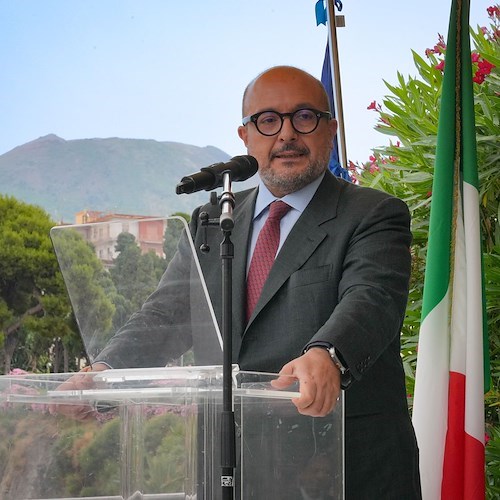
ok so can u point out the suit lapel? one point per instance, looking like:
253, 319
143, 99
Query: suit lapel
243, 215
303, 239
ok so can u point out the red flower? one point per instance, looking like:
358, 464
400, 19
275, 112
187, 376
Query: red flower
352, 166
373, 105
475, 57
441, 45
478, 77
440, 66
493, 11
485, 67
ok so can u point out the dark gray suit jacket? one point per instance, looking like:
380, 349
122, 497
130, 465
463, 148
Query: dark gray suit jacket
341, 277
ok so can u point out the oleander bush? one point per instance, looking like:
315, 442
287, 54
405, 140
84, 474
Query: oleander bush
409, 116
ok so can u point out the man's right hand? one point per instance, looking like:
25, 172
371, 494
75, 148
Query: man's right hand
80, 381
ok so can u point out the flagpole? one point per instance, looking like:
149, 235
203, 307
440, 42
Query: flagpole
337, 89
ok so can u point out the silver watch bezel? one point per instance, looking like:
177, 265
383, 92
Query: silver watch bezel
336, 360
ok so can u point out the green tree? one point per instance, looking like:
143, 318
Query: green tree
135, 276
172, 234
89, 286
409, 114
34, 309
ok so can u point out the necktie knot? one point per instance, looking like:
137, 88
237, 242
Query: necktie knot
278, 209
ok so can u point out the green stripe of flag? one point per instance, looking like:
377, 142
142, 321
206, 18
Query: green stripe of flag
438, 265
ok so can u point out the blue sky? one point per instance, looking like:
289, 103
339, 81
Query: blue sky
175, 70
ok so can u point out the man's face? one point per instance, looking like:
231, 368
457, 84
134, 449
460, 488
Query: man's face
289, 160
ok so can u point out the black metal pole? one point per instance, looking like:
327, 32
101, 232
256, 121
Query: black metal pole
228, 438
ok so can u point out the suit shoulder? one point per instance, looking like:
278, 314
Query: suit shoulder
363, 195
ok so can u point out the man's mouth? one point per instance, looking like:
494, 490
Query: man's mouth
289, 155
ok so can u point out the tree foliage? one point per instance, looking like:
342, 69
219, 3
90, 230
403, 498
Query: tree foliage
41, 315
135, 276
89, 285
409, 115
35, 314
172, 234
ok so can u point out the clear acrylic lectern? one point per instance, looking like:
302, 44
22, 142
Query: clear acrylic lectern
153, 433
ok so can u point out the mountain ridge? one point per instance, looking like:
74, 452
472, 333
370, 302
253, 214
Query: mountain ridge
113, 175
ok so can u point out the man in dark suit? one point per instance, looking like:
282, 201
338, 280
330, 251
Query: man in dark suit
331, 309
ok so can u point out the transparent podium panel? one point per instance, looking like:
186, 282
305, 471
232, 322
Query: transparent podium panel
137, 292
155, 433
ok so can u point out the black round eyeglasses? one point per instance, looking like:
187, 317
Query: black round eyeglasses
304, 121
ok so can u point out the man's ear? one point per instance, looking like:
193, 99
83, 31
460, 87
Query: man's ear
334, 124
243, 134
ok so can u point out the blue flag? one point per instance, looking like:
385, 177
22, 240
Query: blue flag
326, 79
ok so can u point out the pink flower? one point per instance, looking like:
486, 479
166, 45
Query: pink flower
441, 45
440, 66
478, 77
475, 57
485, 67
18, 371
393, 159
493, 11
373, 105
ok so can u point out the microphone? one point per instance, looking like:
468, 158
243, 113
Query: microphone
211, 177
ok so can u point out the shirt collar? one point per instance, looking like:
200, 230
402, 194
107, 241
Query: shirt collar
298, 200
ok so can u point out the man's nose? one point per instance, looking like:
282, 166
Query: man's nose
287, 132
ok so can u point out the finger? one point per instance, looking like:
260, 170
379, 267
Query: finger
308, 399
285, 377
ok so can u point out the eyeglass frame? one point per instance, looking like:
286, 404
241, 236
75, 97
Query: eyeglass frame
253, 118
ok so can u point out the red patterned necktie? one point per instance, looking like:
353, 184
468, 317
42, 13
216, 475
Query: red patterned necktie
264, 253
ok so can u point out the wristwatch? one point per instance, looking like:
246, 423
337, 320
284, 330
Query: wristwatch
345, 374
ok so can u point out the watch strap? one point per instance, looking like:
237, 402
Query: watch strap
345, 374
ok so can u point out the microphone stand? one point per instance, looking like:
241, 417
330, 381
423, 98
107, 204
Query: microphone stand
228, 426
228, 439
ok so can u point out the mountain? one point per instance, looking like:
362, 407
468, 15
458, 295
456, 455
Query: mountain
131, 176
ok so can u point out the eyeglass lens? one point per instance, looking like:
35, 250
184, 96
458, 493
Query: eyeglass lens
303, 121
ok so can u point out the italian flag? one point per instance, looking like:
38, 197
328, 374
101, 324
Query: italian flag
448, 411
